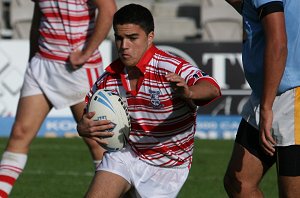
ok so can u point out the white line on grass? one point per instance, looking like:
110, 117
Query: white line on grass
60, 173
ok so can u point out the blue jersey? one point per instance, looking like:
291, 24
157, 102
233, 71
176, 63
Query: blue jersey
253, 48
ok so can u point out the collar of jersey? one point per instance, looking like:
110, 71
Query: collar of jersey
117, 67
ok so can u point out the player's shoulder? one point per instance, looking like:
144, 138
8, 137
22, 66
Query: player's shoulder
167, 59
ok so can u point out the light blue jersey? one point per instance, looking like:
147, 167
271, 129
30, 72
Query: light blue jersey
253, 48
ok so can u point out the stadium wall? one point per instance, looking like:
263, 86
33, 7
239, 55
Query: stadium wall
218, 120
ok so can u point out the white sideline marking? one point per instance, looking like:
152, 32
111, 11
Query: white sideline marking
59, 173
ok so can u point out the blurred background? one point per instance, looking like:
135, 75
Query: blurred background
208, 33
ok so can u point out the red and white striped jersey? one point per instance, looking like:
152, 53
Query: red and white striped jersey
65, 26
162, 123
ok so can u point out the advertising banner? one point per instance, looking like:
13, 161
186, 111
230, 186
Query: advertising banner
223, 61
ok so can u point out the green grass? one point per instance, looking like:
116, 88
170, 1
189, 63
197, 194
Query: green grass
63, 168
209, 165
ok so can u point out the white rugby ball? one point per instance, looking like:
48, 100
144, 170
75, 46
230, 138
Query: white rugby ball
109, 106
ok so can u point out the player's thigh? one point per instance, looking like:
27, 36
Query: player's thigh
289, 186
248, 162
288, 167
107, 185
244, 168
31, 112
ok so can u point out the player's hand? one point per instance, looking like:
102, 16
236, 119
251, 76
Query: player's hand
179, 85
77, 58
265, 126
96, 130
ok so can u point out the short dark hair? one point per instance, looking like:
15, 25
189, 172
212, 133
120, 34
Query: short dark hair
134, 14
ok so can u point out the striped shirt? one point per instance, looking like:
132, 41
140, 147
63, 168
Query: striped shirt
162, 124
66, 25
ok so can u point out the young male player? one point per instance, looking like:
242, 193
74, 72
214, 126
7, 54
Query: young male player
162, 92
270, 129
64, 62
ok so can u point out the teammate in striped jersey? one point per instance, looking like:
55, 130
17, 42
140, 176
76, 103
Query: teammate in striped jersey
269, 132
162, 93
64, 63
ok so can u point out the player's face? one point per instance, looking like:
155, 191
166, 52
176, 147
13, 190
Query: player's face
132, 42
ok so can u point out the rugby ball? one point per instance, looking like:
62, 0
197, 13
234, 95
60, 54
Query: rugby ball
110, 106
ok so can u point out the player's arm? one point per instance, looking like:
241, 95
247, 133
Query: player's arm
272, 18
34, 30
96, 130
202, 90
106, 10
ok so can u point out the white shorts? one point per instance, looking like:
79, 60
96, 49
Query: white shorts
147, 180
286, 117
62, 86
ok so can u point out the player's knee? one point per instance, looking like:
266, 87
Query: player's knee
19, 131
20, 138
236, 187
230, 185
233, 185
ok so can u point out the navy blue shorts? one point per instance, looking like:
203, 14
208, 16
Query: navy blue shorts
287, 157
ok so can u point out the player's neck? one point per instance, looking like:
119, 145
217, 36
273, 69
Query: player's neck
133, 73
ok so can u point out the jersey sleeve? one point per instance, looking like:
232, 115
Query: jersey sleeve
192, 75
259, 3
265, 7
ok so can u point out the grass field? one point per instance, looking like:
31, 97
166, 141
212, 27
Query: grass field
62, 168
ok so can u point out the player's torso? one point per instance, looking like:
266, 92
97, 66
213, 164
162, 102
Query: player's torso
162, 123
254, 46
65, 26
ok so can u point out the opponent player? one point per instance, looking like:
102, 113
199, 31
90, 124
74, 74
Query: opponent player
162, 92
271, 117
64, 61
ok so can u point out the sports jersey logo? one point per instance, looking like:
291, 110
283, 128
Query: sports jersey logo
197, 75
155, 102
203, 73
